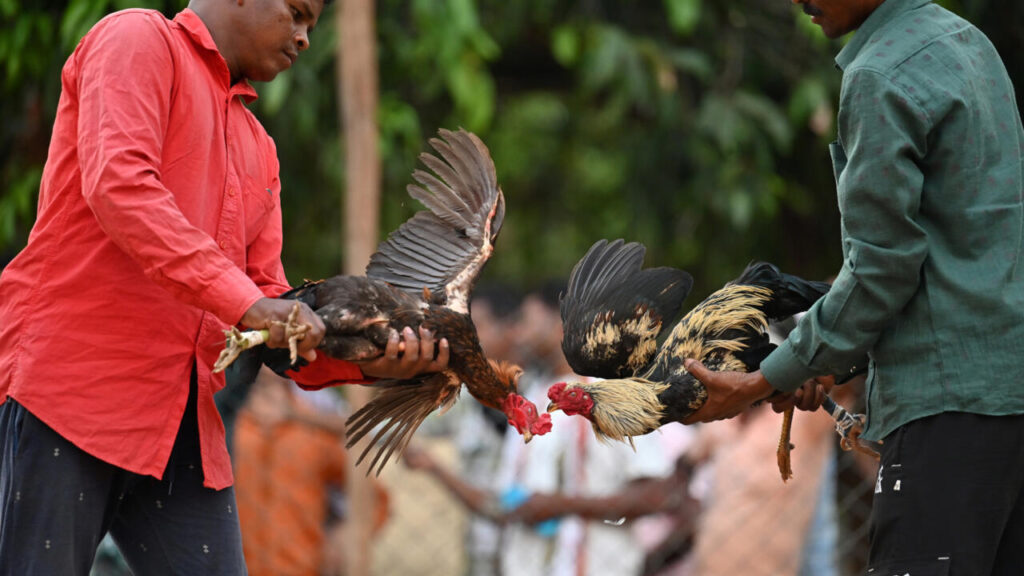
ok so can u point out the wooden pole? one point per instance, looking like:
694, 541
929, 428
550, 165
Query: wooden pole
358, 92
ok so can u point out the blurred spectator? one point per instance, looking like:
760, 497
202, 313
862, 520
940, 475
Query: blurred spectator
564, 497
753, 523
479, 430
289, 455
538, 517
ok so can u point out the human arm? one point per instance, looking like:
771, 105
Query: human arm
730, 393
475, 499
637, 498
883, 137
121, 133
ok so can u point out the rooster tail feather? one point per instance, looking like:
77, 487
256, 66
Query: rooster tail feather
790, 294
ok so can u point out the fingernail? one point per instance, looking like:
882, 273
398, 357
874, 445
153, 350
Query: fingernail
393, 336
444, 342
408, 331
687, 363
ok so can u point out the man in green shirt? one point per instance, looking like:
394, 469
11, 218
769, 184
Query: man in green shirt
929, 169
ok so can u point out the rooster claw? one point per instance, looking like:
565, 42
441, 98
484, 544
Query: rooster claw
235, 343
294, 332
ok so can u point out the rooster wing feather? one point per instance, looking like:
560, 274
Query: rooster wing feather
445, 247
613, 311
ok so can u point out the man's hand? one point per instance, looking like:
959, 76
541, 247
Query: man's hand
729, 393
408, 356
272, 313
807, 397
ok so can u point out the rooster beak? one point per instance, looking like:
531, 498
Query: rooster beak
552, 407
527, 436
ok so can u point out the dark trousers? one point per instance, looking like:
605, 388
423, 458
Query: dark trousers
57, 503
949, 499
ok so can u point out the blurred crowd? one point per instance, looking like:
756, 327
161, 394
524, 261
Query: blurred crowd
473, 500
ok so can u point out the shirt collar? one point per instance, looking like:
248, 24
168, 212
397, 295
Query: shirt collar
886, 11
200, 34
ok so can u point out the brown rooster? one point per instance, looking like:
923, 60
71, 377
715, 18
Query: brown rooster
614, 312
422, 275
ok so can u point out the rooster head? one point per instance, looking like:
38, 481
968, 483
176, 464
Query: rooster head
524, 417
570, 398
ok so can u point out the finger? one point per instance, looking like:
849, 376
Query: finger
426, 344
392, 349
827, 383
277, 336
811, 399
696, 368
783, 403
309, 355
819, 396
443, 354
704, 414
412, 350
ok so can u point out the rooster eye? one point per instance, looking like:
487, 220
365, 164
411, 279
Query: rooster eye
572, 394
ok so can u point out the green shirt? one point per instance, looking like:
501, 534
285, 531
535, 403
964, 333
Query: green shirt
928, 170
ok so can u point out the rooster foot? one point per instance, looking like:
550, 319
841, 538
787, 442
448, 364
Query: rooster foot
235, 343
294, 332
852, 442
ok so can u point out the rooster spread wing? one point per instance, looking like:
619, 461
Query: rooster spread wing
613, 311
444, 248
401, 406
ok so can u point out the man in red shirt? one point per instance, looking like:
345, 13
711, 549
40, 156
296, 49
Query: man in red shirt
158, 226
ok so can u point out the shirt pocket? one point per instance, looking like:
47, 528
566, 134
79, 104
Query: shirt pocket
842, 288
258, 198
835, 149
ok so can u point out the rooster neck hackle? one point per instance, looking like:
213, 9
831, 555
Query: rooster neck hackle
625, 408
735, 307
490, 382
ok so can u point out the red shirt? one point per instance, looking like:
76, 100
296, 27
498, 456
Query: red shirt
159, 224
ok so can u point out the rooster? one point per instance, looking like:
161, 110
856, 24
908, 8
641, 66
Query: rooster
614, 312
421, 275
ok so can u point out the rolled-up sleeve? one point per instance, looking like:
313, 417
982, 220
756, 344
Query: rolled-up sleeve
883, 133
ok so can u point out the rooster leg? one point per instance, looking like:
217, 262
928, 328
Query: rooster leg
235, 343
785, 465
294, 332
849, 426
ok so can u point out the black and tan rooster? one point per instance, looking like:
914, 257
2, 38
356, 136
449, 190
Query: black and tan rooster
614, 312
421, 275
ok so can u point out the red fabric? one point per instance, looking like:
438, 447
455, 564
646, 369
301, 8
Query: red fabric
327, 371
159, 224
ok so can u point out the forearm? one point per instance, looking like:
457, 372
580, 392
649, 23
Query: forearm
475, 499
639, 498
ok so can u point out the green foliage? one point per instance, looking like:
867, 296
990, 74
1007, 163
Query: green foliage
697, 127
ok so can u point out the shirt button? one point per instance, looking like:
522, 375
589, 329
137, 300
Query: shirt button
231, 191
223, 245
